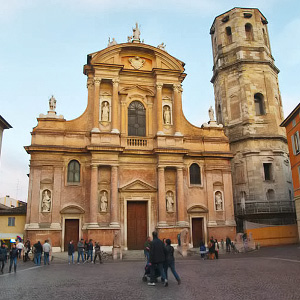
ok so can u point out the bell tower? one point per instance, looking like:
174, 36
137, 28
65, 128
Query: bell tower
248, 104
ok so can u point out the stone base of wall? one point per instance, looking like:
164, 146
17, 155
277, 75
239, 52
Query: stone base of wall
222, 232
54, 237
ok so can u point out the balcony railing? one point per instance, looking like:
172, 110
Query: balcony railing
134, 142
263, 207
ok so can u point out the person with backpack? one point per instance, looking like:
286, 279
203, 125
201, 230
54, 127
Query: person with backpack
170, 261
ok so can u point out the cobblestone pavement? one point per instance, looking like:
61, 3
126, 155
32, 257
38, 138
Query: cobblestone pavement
270, 273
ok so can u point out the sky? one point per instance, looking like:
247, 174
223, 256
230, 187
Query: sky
44, 45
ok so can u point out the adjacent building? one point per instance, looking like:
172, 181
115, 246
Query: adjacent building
292, 126
248, 104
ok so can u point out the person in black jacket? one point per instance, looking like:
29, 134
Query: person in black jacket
71, 251
38, 248
170, 261
3, 254
13, 255
157, 257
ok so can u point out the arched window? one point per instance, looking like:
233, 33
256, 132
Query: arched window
249, 32
259, 104
136, 119
73, 171
195, 174
228, 35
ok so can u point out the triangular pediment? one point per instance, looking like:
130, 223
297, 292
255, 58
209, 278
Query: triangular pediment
136, 186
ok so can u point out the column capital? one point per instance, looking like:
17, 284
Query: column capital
97, 80
89, 84
159, 85
160, 168
177, 87
179, 168
115, 81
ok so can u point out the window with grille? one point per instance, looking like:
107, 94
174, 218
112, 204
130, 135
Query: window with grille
74, 171
11, 221
136, 119
195, 175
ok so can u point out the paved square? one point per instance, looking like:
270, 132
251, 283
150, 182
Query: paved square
270, 273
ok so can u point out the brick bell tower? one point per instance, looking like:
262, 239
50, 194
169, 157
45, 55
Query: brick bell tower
248, 104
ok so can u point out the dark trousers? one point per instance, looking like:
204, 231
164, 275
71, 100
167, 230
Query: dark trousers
216, 254
13, 261
2, 265
171, 265
99, 255
160, 267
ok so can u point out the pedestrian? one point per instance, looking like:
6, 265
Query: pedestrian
147, 248
20, 248
38, 253
228, 244
13, 255
80, 249
26, 251
85, 250
216, 249
46, 250
157, 257
71, 250
97, 252
90, 248
203, 251
222, 244
3, 256
170, 261
211, 248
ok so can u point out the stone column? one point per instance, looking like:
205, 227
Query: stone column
177, 89
114, 207
159, 108
115, 106
97, 82
56, 198
94, 197
161, 197
123, 117
180, 198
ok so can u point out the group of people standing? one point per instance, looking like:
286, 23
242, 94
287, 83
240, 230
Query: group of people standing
85, 251
160, 256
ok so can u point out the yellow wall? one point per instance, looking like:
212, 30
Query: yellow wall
277, 235
17, 229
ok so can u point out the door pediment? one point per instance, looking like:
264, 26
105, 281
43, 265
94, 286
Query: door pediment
137, 186
72, 209
197, 209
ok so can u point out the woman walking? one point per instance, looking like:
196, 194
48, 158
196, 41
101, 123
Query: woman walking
170, 261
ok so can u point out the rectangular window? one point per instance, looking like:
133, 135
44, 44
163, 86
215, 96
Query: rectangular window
294, 122
267, 171
11, 221
296, 143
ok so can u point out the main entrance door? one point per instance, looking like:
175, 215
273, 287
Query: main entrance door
136, 224
71, 232
197, 231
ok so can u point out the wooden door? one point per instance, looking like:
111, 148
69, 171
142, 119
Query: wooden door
136, 224
71, 232
197, 231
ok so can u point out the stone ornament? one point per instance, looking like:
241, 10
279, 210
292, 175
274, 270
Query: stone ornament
211, 114
105, 111
46, 201
177, 88
218, 201
162, 46
51, 112
52, 104
111, 43
135, 37
136, 62
103, 201
170, 202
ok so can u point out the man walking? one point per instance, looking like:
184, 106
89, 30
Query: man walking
46, 249
157, 257
38, 253
71, 250
13, 255
90, 248
3, 255
97, 252
80, 249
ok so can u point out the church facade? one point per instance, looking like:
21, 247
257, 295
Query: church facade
131, 163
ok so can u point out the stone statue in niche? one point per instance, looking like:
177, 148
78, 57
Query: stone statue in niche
105, 111
167, 115
46, 201
218, 201
103, 202
170, 202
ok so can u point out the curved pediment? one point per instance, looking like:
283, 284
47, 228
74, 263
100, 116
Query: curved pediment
137, 186
136, 90
72, 209
137, 56
197, 209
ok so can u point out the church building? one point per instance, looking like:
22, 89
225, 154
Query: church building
131, 163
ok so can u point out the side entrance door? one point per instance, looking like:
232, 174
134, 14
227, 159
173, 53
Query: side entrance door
197, 231
136, 224
71, 232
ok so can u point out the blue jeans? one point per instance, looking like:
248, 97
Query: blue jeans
80, 254
46, 258
160, 267
171, 265
69, 256
90, 253
13, 261
37, 259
